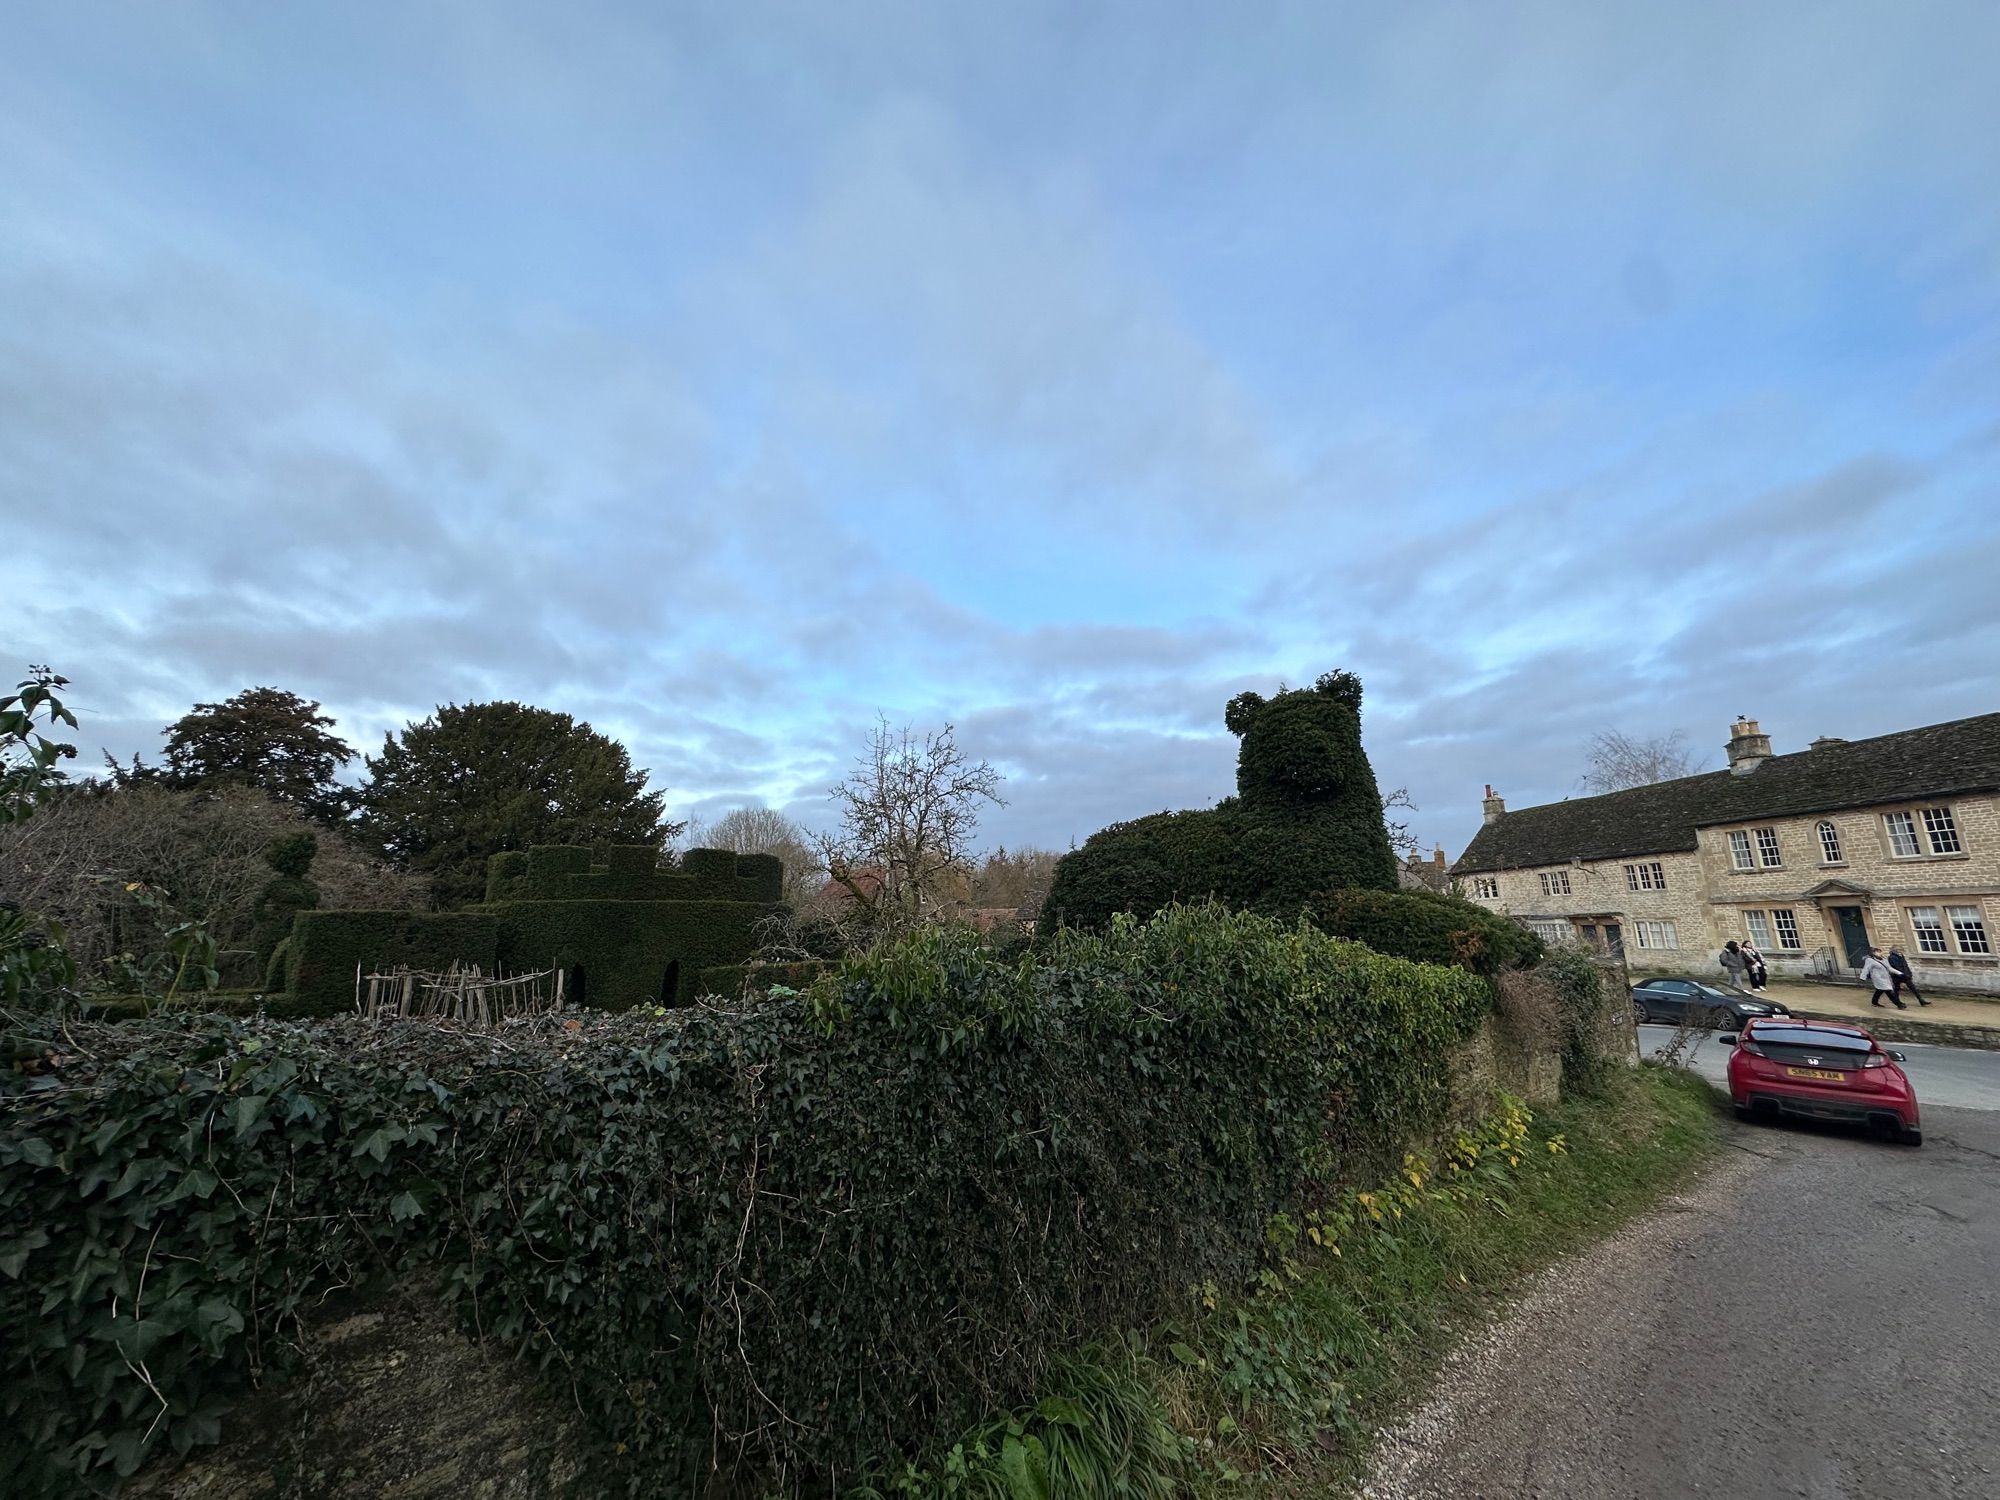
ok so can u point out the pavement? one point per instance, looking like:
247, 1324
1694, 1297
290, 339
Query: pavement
1852, 1000
1817, 1316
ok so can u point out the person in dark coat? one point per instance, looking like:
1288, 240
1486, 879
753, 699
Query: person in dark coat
1753, 967
1905, 979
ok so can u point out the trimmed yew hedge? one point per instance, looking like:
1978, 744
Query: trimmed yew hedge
792, 1238
1427, 926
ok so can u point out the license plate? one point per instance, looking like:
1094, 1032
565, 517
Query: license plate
1818, 1073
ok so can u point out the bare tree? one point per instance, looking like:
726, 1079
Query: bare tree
762, 830
1019, 879
1401, 840
1617, 760
908, 812
204, 849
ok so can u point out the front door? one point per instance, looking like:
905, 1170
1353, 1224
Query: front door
1614, 939
1853, 934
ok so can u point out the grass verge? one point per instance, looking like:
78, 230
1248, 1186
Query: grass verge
1278, 1388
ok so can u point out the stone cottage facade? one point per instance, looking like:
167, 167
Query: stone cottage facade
1815, 856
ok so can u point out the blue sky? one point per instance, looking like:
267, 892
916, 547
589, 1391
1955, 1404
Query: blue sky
725, 374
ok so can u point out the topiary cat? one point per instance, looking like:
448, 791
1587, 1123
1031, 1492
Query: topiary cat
1306, 818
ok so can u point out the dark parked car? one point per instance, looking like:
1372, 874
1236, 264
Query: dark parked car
1672, 1002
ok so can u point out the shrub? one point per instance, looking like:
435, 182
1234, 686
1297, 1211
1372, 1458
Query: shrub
793, 1237
1306, 817
1428, 927
1589, 1006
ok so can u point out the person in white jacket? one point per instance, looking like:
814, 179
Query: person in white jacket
1881, 978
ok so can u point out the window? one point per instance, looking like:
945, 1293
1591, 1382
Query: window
1486, 886
1739, 850
1646, 877
1968, 925
1759, 927
1767, 847
1942, 831
1657, 935
1902, 835
1929, 930
1551, 932
1788, 928
1555, 882
1829, 844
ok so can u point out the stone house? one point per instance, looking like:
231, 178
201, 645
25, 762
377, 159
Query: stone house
1417, 873
1815, 855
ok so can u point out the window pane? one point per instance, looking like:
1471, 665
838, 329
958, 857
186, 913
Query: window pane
1767, 846
1659, 875
1788, 928
1739, 850
1929, 930
1760, 928
1632, 882
1942, 830
1902, 834
1829, 843
1968, 924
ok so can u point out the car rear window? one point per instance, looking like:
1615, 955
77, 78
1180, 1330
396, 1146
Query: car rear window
1812, 1036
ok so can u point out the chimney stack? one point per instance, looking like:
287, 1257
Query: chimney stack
1494, 807
1749, 747
1437, 857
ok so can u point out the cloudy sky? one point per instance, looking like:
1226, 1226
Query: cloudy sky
724, 374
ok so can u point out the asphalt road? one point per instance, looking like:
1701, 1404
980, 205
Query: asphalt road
1818, 1316
1947, 1077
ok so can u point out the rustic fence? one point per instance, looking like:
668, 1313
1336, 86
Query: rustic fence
461, 993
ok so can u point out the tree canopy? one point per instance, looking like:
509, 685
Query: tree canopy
479, 779
264, 737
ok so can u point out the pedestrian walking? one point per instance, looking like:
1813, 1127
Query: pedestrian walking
1905, 978
1734, 963
1881, 978
1753, 966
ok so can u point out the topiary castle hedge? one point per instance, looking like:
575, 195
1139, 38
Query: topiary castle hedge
623, 931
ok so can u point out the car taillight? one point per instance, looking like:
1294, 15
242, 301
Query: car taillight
1744, 1044
1875, 1060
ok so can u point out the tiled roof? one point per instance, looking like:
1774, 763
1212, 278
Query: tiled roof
1936, 761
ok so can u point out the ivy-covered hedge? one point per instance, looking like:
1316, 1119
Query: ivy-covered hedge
735, 980
1427, 926
792, 1238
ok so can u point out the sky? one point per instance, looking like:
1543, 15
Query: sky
729, 375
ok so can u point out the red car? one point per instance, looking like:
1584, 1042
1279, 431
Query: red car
1822, 1069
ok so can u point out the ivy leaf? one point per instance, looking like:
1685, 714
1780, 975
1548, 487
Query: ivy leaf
404, 1206
14, 1253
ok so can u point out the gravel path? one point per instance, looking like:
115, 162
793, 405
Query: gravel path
1819, 1316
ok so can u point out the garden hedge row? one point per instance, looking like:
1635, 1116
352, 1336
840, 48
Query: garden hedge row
1427, 926
789, 1238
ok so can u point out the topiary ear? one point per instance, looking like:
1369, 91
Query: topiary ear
1341, 687
1238, 712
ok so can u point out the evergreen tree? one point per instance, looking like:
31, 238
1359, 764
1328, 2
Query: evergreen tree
479, 779
263, 737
